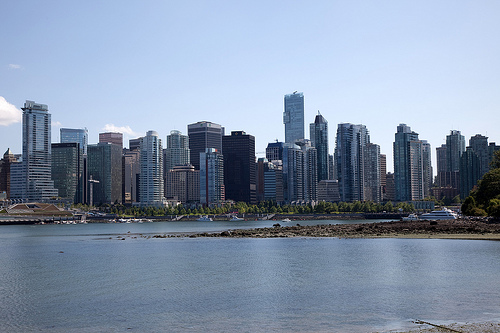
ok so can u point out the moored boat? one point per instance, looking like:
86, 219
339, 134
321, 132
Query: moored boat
443, 214
204, 219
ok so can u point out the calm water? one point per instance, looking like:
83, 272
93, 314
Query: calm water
82, 278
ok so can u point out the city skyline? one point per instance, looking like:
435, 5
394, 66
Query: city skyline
427, 65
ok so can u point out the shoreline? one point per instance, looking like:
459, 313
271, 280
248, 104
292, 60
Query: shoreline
445, 229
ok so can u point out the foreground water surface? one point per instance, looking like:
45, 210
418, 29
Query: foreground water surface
83, 278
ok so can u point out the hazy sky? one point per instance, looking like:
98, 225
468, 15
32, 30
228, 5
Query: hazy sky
136, 66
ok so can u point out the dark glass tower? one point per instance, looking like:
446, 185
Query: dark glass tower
293, 117
203, 135
319, 140
67, 171
239, 167
105, 166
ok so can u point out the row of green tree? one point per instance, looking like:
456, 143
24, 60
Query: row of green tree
484, 200
265, 207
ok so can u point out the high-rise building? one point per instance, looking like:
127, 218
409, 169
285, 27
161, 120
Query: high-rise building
67, 171
177, 150
104, 164
293, 173
319, 140
408, 165
151, 177
427, 168
328, 190
211, 177
131, 171
274, 151
112, 137
78, 135
5, 163
37, 154
203, 135
134, 144
383, 172
372, 184
349, 161
470, 171
310, 170
293, 117
455, 146
273, 181
183, 184
479, 145
240, 181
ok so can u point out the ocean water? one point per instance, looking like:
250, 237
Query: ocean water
84, 278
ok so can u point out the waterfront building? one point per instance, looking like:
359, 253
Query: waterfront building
260, 178
383, 172
328, 190
273, 181
151, 183
310, 170
372, 184
479, 145
349, 161
240, 182
78, 135
183, 184
408, 165
111, 137
67, 171
131, 171
18, 185
203, 135
293, 173
211, 177
293, 117
177, 150
470, 171
390, 188
37, 154
319, 139
104, 164
427, 168
5, 163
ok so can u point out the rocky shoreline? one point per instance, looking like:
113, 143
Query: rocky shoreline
448, 229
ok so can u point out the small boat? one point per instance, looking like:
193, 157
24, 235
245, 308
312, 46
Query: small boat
236, 218
411, 217
286, 220
205, 219
443, 214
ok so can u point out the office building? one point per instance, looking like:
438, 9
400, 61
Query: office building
240, 181
104, 164
274, 151
151, 190
310, 170
293, 117
383, 172
372, 184
37, 154
5, 163
273, 181
319, 140
455, 146
293, 173
470, 171
203, 135
408, 165
211, 177
328, 190
67, 171
177, 150
183, 184
134, 144
78, 135
427, 168
112, 137
130, 178
479, 145
350, 161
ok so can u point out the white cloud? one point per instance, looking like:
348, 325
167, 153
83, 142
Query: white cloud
121, 129
9, 114
56, 123
15, 66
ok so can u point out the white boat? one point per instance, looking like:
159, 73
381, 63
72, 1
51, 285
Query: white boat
236, 218
205, 219
443, 214
286, 220
411, 217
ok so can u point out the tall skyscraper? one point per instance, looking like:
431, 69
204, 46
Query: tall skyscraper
372, 184
131, 172
427, 168
5, 163
319, 140
151, 176
37, 153
104, 164
78, 135
177, 150
183, 183
203, 135
455, 146
273, 181
274, 151
211, 177
293, 117
293, 173
479, 144
240, 181
67, 171
112, 137
350, 160
470, 171
309, 169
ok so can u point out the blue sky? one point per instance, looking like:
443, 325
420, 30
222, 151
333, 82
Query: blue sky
161, 65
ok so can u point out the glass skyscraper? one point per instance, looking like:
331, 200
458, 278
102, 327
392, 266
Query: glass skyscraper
151, 177
293, 117
203, 135
177, 150
211, 177
319, 140
78, 135
37, 157
67, 171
